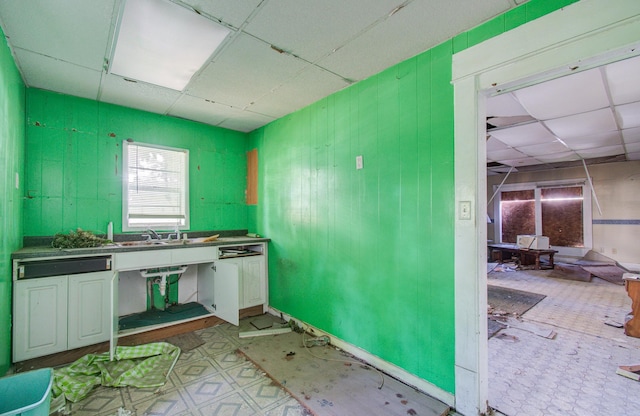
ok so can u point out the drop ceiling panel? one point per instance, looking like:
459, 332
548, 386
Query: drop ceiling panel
245, 71
610, 138
198, 109
50, 74
505, 154
543, 149
314, 81
623, 79
585, 124
495, 144
233, 12
76, 31
505, 105
564, 96
631, 135
567, 156
415, 28
525, 135
218, 115
633, 147
629, 115
601, 152
116, 90
526, 161
312, 29
245, 121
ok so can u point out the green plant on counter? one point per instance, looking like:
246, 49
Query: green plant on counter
78, 239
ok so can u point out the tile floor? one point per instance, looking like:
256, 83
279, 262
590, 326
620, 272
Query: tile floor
573, 374
209, 380
215, 380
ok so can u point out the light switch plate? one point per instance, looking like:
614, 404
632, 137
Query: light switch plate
359, 162
464, 210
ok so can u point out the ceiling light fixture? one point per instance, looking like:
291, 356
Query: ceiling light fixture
162, 43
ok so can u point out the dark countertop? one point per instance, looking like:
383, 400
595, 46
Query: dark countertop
45, 251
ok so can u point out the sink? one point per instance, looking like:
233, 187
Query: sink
141, 243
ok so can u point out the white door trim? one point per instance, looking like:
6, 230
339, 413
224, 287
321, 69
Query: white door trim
584, 35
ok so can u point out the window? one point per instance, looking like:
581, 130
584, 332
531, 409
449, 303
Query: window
559, 211
156, 187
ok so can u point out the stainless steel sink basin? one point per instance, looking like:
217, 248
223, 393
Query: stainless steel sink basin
140, 243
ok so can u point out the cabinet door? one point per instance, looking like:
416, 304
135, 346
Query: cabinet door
89, 308
253, 281
39, 317
225, 291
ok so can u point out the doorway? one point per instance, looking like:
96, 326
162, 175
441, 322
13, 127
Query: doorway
547, 48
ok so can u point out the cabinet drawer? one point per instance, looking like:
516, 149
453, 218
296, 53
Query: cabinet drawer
193, 255
142, 259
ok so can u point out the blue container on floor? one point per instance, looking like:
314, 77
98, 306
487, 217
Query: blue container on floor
26, 394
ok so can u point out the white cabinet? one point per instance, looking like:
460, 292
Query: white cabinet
39, 317
253, 282
54, 314
89, 309
218, 285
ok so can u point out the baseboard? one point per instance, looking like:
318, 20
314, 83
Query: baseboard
382, 365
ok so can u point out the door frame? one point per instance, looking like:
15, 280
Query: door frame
584, 35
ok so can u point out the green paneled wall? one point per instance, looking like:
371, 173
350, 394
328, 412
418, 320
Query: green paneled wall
367, 255
12, 98
74, 165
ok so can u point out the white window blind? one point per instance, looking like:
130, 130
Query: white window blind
156, 187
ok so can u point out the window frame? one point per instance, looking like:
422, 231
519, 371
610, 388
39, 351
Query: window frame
587, 220
126, 226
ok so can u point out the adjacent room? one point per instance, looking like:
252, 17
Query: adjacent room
278, 207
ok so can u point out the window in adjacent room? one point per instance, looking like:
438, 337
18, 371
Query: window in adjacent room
561, 212
156, 187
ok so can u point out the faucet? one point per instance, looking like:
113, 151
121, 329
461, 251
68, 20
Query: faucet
153, 235
176, 233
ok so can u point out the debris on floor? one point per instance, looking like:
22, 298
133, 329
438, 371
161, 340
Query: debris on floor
263, 332
602, 267
142, 366
629, 371
614, 324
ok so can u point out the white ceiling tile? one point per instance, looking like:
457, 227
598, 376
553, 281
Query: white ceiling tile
505, 154
414, 29
526, 161
147, 97
199, 109
528, 134
585, 124
559, 157
495, 144
601, 152
314, 29
631, 135
77, 31
233, 12
504, 105
51, 74
543, 149
245, 71
633, 156
576, 93
629, 115
246, 121
315, 82
609, 138
623, 80
632, 147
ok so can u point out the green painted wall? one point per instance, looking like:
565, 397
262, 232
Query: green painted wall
368, 255
74, 165
12, 99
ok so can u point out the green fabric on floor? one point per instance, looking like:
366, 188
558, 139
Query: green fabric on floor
141, 366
